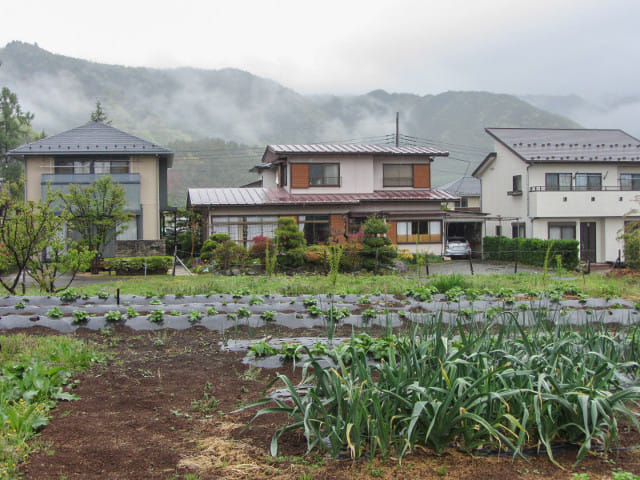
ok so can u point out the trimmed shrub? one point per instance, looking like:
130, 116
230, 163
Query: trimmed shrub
290, 241
136, 265
532, 251
376, 252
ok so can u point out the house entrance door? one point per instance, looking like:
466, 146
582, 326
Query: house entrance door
588, 241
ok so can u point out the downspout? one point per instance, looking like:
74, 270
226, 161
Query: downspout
528, 203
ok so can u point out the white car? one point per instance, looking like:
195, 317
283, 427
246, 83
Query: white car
457, 247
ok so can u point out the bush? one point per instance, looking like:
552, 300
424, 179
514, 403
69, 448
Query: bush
291, 243
136, 265
531, 251
211, 244
376, 252
228, 254
259, 247
350, 260
631, 237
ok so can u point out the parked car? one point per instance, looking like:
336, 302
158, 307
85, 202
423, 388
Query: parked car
457, 247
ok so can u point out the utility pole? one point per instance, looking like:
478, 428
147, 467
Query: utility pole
397, 129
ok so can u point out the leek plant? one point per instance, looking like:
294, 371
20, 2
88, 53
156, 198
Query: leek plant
520, 380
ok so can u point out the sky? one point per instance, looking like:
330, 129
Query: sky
552, 47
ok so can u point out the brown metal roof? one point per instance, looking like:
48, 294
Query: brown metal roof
264, 196
356, 149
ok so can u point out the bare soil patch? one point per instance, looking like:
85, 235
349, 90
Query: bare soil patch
145, 415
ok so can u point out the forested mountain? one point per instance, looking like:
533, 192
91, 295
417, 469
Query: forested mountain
219, 121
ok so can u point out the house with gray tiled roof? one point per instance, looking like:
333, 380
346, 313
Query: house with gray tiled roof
331, 190
562, 183
468, 189
80, 155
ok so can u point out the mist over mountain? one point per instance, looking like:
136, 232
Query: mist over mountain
606, 112
219, 121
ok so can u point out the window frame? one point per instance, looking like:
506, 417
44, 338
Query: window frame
561, 226
518, 230
424, 228
409, 181
633, 178
558, 187
588, 187
324, 177
85, 165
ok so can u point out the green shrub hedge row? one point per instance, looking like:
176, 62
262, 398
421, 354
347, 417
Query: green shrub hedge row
531, 251
136, 265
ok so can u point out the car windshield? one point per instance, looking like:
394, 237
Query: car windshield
456, 239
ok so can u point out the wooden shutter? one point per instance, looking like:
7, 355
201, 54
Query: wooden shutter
299, 175
336, 225
422, 176
392, 234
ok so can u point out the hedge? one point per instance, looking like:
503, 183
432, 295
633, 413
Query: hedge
531, 251
136, 265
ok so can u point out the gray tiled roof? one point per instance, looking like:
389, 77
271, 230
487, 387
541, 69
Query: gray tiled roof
362, 149
91, 138
569, 145
463, 186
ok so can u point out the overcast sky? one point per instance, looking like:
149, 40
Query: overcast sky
587, 47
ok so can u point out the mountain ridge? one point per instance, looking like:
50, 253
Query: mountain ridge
239, 113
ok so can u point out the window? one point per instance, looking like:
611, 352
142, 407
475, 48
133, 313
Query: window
518, 230
315, 228
498, 230
516, 185
78, 166
397, 175
464, 202
324, 174
283, 175
420, 231
630, 181
558, 181
562, 231
131, 233
243, 230
588, 181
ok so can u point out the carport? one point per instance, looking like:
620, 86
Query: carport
465, 224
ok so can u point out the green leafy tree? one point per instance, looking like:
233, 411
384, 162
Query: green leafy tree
27, 229
376, 252
97, 212
99, 115
290, 242
15, 129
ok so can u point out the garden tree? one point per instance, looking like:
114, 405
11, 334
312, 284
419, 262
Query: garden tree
376, 250
290, 243
630, 234
97, 213
99, 115
15, 129
184, 231
27, 229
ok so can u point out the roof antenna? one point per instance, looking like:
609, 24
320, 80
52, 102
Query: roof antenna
397, 129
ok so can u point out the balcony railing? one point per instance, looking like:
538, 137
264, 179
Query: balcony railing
574, 188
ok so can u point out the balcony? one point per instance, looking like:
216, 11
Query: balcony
129, 181
607, 201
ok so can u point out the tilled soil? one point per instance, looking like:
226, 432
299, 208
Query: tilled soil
161, 408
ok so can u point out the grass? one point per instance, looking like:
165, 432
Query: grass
34, 372
363, 284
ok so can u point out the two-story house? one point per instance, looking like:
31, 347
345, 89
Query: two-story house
562, 183
79, 156
331, 190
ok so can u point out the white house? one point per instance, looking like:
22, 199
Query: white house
562, 183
